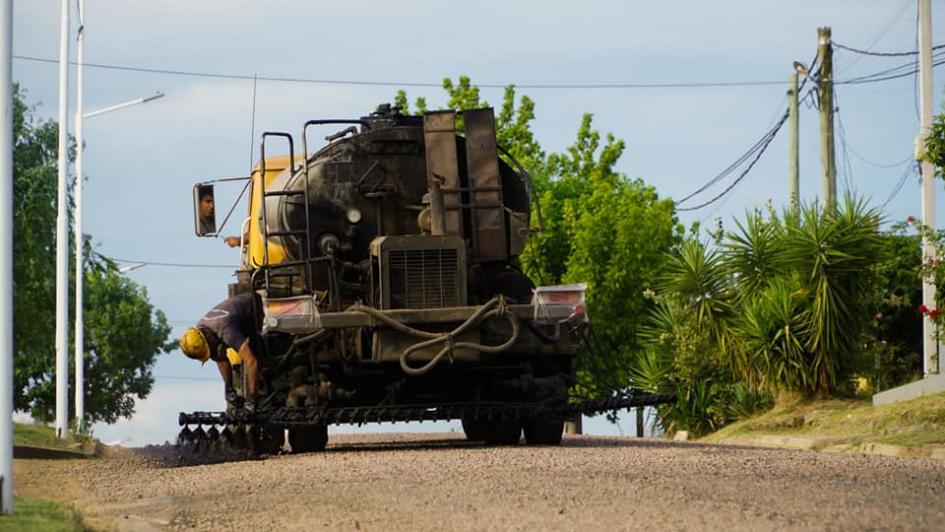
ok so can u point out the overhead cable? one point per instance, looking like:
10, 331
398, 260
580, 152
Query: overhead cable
894, 18
891, 73
846, 169
758, 154
572, 86
911, 169
881, 54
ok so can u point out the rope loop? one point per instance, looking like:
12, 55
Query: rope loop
496, 306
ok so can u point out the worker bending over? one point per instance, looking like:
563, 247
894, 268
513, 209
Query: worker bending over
230, 324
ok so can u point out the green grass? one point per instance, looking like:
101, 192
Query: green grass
41, 516
37, 435
917, 422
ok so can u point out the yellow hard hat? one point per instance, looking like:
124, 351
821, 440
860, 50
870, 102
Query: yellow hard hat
194, 344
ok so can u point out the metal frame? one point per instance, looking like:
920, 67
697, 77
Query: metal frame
304, 243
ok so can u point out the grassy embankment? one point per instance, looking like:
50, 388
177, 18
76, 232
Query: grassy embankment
916, 423
36, 435
39, 515
42, 516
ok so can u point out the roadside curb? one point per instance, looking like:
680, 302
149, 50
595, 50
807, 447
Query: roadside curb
46, 453
832, 444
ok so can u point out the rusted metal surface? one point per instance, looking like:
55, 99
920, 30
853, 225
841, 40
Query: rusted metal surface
345, 319
439, 137
485, 184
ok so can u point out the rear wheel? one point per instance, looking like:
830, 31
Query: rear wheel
505, 432
543, 431
308, 439
474, 430
265, 439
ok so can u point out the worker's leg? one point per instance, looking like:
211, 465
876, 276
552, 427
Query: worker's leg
226, 371
250, 365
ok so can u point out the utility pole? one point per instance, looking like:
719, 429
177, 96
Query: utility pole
931, 362
62, 233
6, 256
793, 153
79, 240
825, 94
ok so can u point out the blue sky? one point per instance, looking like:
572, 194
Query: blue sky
142, 161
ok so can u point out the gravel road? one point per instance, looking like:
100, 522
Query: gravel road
440, 482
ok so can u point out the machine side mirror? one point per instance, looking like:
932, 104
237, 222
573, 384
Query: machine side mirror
205, 218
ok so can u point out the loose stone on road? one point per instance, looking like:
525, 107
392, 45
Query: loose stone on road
441, 482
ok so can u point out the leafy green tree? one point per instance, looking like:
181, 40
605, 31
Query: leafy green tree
894, 335
124, 333
935, 145
616, 235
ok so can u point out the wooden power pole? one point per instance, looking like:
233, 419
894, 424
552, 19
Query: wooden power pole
825, 94
793, 154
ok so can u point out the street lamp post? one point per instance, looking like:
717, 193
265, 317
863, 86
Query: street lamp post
79, 251
6, 256
62, 232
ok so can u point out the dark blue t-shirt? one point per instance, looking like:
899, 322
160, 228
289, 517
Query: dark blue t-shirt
233, 321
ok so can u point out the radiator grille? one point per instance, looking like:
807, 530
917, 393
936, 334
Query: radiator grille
424, 278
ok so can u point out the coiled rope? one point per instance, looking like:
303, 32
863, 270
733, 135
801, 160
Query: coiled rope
496, 307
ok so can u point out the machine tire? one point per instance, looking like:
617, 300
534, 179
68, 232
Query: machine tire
266, 440
308, 439
506, 432
474, 430
543, 431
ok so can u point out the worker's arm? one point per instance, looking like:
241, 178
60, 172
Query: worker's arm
226, 371
234, 241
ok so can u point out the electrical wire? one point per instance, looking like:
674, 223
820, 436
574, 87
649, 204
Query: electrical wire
171, 264
753, 149
902, 68
909, 171
741, 176
893, 73
728, 170
897, 14
896, 164
569, 86
846, 167
881, 54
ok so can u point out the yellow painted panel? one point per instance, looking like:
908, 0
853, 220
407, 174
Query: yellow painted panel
255, 256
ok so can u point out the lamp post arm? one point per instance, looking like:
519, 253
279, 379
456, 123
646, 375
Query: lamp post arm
123, 105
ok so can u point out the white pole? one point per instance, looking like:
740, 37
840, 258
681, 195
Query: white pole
62, 233
6, 256
930, 342
79, 241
